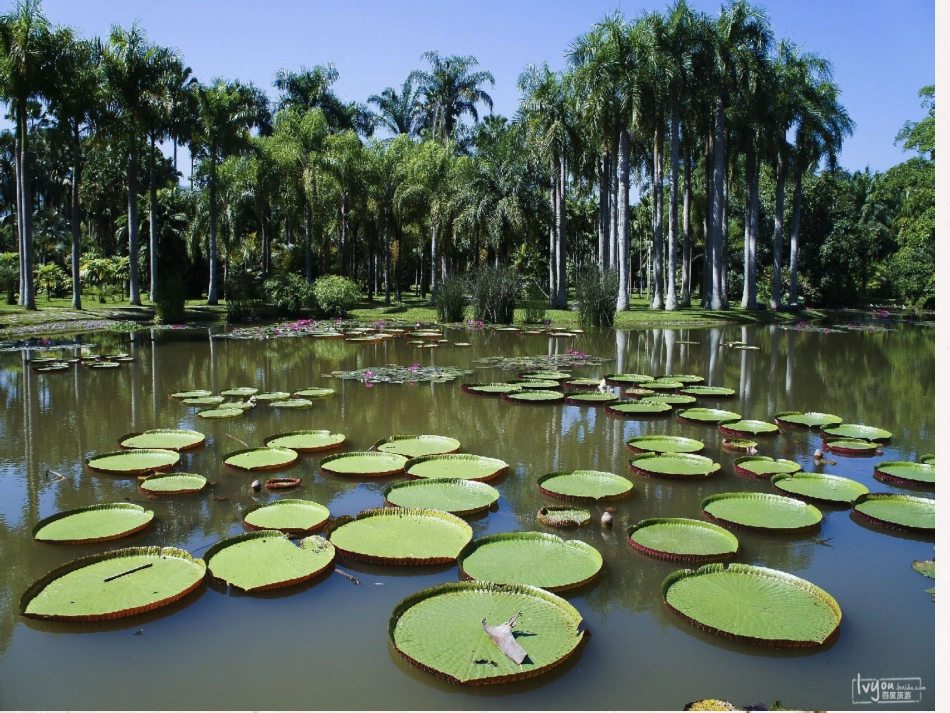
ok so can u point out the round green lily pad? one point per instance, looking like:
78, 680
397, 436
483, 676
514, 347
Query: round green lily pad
305, 441
546, 376
673, 465
707, 415
536, 397
678, 538
639, 408
314, 392
638, 392
582, 383
708, 391
753, 604
537, 384
96, 523
170, 439
854, 430
203, 401
625, 379
763, 466
563, 516
216, 413
852, 446
257, 561
683, 378
456, 465
902, 512
52, 368
273, 396
537, 559
291, 403
114, 584
133, 462
193, 394
671, 399
748, 426
441, 630
590, 398
742, 445
905, 472
491, 389
240, 405
662, 385
173, 484
261, 458
364, 464
809, 419
928, 459
289, 515
240, 391
454, 495
584, 485
403, 536
819, 486
417, 446
664, 444
761, 511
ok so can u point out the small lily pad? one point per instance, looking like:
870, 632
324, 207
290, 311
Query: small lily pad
748, 426
306, 441
664, 444
673, 465
402, 536
901, 512
170, 439
707, 415
761, 511
417, 446
809, 419
677, 538
456, 465
925, 567
96, 523
289, 515
563, 516
133, 462
261, 458
585, 485
905, 472
364, 464
173, 484
928, 459
684, 378
638, 409
546, 376
582, 383
819, 486
764, 466
258, 561
454, 495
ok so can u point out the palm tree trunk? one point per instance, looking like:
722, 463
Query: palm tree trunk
21, 243
707, 224
74, 220
776, 300
152, 225
213, 235
28, 293
686, 287
388, 256
749, 292
657, 178
612, 210
796, 225
398, 263
674, 202
715, 223
133, 226
623, 220
562, 232
552, 238
724, 261
603, 227
308, 209
746, 254
434, 255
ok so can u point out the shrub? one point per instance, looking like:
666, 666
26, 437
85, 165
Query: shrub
52, 279
334, 296
597, 297
170, 300
450, 300
288, 293
494, 293
243, 292
535, 305
9, 275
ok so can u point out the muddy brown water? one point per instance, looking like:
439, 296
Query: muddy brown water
325, 645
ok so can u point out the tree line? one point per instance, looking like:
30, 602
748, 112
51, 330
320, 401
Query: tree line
728, 136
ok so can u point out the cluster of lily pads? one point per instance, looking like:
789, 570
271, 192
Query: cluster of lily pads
234, 402
396, 374
52, 365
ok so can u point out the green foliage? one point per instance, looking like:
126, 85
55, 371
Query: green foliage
244, 294
170, 298
335, 296
535, 304
52, 279
105, 275
597, 297
450, 300
9, 275
494, 293
288, 293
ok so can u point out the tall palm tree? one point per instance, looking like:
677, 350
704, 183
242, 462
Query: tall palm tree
400, 111
343, 160
450, 90
313, 89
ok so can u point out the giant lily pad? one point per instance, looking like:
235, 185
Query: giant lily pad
417, 446
216, 413
203, 401
683, 378
852, 447
662, 385
534, 558
538, 384
314, 392
854, 430
442, 630
456, 465
673, 465
563, 516
114, 584
306, 441
748, 426
664, 444
193, 394
625, 379
905, 472
583, 383
491, 389
819, 486
809, 419
545, 376
677, 538
753, 604
591, 398
268, 396
707, 415
708, 392
96, 523
901, 512
291, 403
261, 458
403, 536
763, 466
173, 484
169, 439
635, 409
454, 495
761, 511
291, 516
672, 399
535, 397
364, 464
257, 561
133, 462
585, 485
240, 391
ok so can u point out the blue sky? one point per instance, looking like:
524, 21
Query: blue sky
882, 51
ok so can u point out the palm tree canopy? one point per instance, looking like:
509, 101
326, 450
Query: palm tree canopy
451, 89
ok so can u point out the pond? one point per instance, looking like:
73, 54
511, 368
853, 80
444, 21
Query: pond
324, 644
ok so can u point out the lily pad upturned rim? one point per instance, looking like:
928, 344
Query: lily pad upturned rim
637, 408
813, 521
196, 482
543, 540
483, 496
498, 466
590, 398
559, 608
781, 481
673, 399
320, 512
284, 483
490, 388
910, 500
852, 447
686, 379
738, 444
927, 459
335, 440
808, 419
196, 439
621, 486
216, 413
241, 391
625, 379
314, 392
537, 384
441, 444
389, 464
36, 589
164, 460
534, 396
545, 516
291, 403
709, 416
273, 396
287, 458
729, 541
191, 394
705, 467
722, 392
200, 401
320, 548
662, 385
142, 522
886, 472
784, 465
744, 426
684, 444
777, 578
855, 431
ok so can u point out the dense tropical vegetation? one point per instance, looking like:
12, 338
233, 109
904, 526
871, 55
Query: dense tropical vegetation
722, 129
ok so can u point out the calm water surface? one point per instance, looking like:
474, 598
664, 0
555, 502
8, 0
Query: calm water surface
324, 645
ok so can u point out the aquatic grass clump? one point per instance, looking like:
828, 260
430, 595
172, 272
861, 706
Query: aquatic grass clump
597, 297
451, 300
495, 290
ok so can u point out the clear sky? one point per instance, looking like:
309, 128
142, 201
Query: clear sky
882, 50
